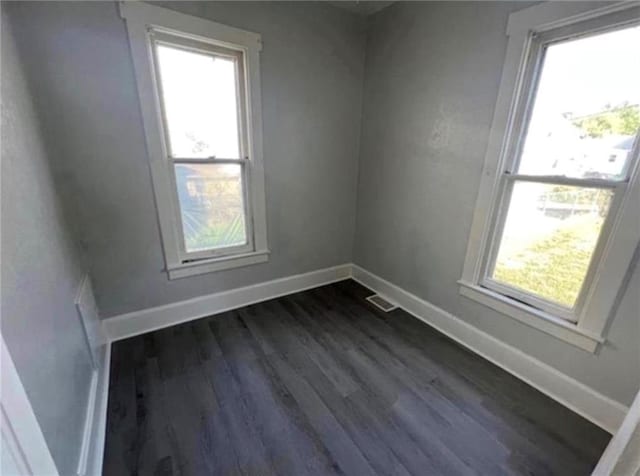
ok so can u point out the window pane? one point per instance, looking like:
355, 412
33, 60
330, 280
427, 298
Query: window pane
587, 108
211, 205
549, 236
199, 96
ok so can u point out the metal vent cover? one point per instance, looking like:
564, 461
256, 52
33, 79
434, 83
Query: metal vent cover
381, 303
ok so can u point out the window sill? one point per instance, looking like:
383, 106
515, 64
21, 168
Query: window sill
204, 266
545, 322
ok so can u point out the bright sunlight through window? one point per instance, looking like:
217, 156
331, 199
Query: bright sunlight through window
578, 142
201, 100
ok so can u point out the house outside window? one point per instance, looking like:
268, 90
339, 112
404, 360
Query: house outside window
557, 215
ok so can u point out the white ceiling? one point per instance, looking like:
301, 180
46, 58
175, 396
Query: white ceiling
361, 7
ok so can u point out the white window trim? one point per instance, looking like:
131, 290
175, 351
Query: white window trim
614, 254
140, 19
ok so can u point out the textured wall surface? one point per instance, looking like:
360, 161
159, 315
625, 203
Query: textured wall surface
41, 270
78, 57
432, 76
405, 185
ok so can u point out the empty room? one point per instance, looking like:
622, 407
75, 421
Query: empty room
320, 238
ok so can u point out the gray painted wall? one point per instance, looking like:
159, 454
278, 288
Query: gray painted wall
40, 273
78, 58
432, 77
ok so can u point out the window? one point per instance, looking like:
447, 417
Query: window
199, 89
554, 215
202, 101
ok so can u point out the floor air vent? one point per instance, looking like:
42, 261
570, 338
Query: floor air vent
381, 303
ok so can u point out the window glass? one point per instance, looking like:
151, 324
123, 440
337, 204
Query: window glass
200, 102
211, 200
586, 112
549, 237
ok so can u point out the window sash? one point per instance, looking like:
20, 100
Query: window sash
525, 96
142, 22
609, 275
159, 37
247, 247
493, 244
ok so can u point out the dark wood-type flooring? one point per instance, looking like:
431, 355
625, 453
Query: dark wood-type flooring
321, 382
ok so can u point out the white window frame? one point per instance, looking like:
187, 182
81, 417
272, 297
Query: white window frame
529, 31
147, 25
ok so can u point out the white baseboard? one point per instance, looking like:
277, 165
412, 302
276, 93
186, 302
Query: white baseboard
90, 319
146, 320
92, 452
583, 400
87, 434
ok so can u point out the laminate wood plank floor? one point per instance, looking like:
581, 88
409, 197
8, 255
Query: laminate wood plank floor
321, 383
